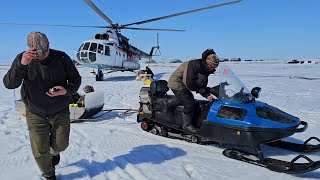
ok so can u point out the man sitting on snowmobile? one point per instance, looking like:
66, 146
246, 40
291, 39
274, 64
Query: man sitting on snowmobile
193, 76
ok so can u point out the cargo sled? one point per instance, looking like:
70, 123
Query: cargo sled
93, 104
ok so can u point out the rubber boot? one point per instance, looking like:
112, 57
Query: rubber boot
55, 160
187, 123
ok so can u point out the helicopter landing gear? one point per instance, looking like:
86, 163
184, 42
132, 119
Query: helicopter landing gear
99, 75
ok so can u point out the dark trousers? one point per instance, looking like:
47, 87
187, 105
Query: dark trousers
186, 98
48, 134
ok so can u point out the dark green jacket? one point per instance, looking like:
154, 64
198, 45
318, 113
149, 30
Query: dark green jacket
38, 77
191, 75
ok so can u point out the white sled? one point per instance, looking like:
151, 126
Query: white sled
140, 76
93, 103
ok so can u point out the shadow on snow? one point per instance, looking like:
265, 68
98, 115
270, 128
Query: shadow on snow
152, 154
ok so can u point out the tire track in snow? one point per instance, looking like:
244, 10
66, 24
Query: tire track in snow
130, 169
133, 136
146, 137
17, 160
120, 168
12, 127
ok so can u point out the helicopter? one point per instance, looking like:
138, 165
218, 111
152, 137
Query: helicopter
111, 51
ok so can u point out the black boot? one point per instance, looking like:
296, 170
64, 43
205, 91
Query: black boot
55, 160
187, 123
53, 177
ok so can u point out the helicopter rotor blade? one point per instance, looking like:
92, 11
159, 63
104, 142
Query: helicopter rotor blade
54, 25
153, 29
181, 13
99, 12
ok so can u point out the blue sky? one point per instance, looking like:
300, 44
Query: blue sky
251, 29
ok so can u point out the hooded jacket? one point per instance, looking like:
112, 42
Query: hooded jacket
38, 77
191, 75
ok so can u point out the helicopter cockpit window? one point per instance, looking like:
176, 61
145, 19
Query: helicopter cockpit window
80, 48
86, 46
100, 49
107, 51
93, 47
92, 57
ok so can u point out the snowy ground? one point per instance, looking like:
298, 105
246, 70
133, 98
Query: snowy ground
116, 148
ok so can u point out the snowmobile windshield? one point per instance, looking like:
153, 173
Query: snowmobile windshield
231, 89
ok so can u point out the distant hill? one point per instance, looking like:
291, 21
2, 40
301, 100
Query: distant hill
175, 61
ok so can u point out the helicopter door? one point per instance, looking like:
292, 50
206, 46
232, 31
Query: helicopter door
109, 50
108, 57
117, 60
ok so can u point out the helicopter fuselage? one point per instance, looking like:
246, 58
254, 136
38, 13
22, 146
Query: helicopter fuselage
105, 54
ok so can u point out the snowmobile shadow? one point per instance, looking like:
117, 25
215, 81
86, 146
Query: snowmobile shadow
158, 76
120, 78
152, 154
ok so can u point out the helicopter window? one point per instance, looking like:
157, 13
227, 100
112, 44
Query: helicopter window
86, 46
273, 114
107, 51
78, 56
92, 57
93, 47
116, 52
100, 49
84, 54
80, 47
232, 113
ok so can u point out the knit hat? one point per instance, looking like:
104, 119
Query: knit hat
38, 41
210, 56
88, 89
206, 53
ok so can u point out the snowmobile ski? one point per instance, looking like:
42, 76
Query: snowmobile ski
274, 164
305, 147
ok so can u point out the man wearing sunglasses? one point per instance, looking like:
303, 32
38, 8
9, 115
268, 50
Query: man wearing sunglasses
193, 76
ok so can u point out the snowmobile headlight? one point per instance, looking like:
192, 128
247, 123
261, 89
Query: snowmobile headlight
255, 92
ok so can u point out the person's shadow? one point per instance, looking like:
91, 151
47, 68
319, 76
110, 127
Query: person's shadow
153, 154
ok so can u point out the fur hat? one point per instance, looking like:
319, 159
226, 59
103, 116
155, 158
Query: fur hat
38, 41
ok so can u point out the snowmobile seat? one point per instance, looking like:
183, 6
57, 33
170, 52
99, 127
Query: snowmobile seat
159, 88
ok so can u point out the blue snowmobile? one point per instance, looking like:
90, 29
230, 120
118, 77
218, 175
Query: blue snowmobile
236, 118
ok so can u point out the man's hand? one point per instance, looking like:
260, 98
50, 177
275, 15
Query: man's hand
59, 91
28, 56
211, 98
